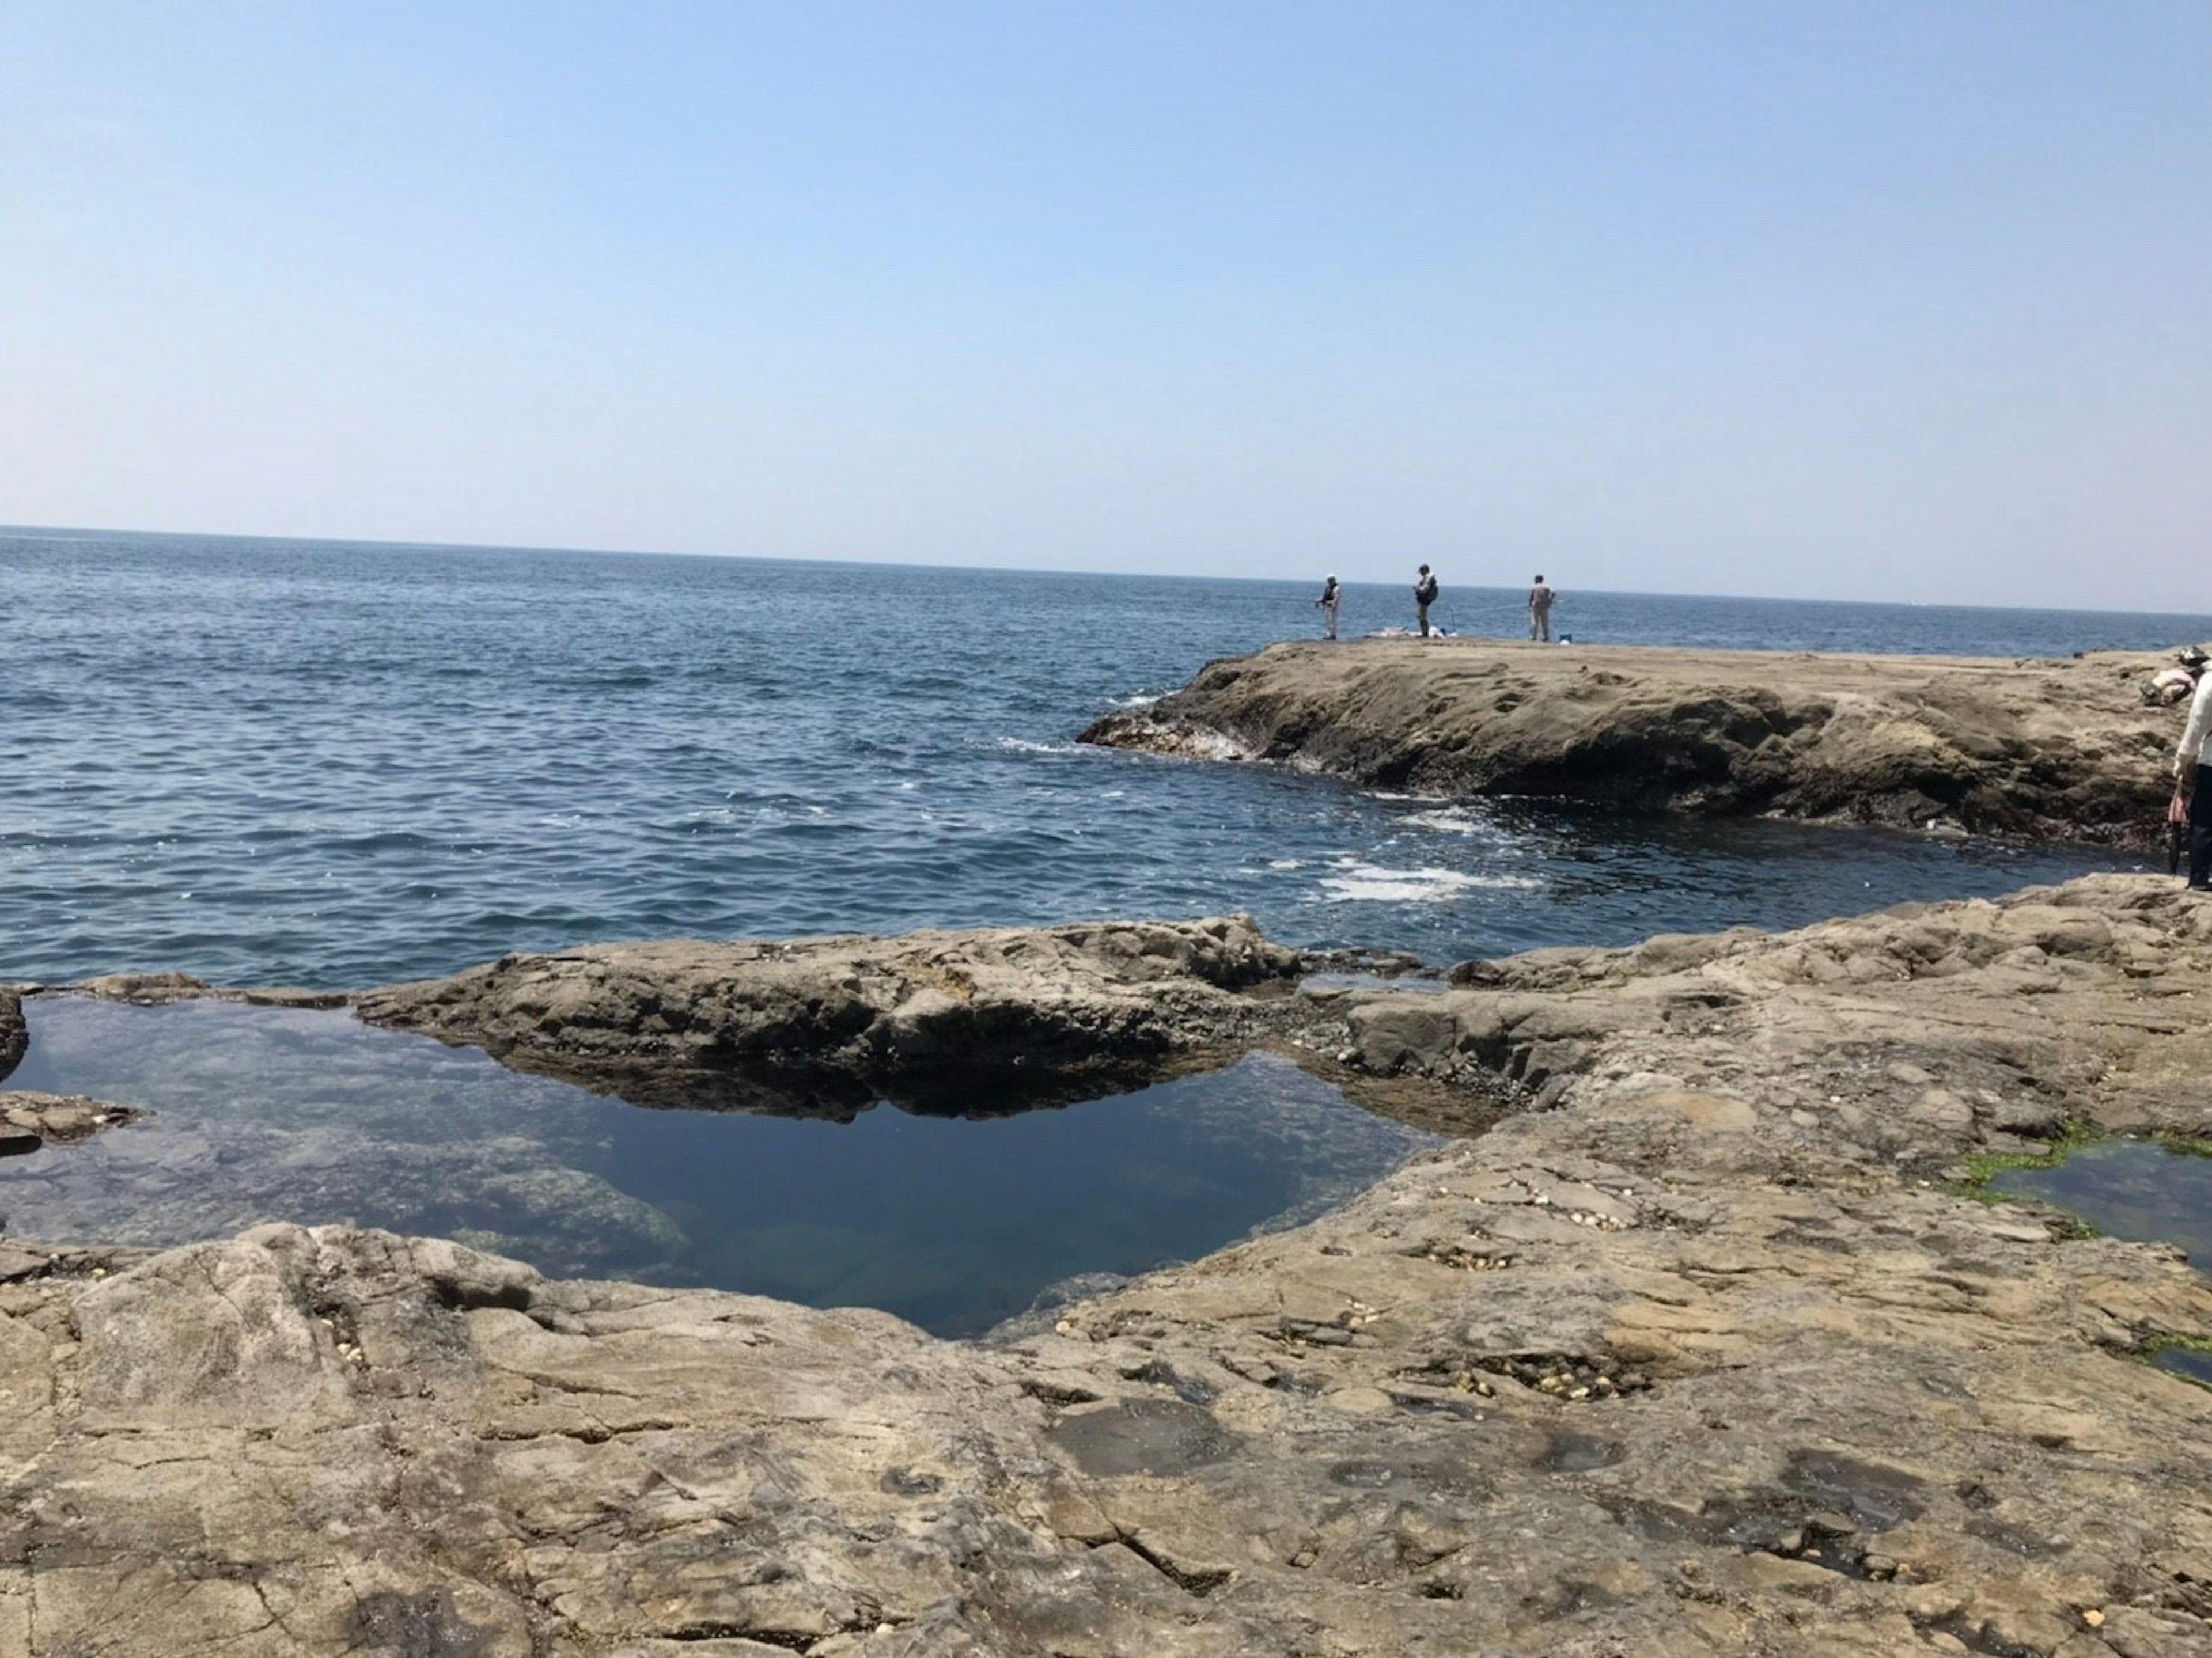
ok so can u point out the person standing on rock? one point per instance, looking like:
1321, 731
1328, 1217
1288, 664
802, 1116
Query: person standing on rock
2188, 773
1425, 594
1539, 611
1331, 596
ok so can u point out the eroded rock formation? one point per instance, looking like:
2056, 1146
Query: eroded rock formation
931, 1018
2061, 748
1702, 1359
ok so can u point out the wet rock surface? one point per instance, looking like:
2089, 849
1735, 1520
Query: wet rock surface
1697, 1354
30, 1119
2059, 748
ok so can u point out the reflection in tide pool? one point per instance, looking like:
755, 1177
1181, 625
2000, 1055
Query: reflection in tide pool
265, 1113
2133, 1189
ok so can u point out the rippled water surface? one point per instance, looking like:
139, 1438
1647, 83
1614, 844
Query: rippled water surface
266, 1114
342, 765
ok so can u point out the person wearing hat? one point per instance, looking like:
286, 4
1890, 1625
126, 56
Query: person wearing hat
1425, 594
1331, 596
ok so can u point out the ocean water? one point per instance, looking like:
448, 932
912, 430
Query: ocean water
341, 765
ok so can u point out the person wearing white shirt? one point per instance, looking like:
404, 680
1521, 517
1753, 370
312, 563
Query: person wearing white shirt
1331, 596
2196, 741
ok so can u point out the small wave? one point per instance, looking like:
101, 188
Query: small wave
1286, 863
1451, 820
1371, 883
1023, 746
1137, 699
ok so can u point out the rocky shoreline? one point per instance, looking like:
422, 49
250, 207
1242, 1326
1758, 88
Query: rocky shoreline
1694, 1352
2060, 750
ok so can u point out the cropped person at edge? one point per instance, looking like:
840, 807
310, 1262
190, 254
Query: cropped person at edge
2188, 767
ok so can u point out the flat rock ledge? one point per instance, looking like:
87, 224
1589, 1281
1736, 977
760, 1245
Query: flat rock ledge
935, 1018
1702, 1359
2059, 749
29, 1120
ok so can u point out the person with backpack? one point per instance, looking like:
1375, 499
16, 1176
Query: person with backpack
1331, 596
1539, 611
1425, 594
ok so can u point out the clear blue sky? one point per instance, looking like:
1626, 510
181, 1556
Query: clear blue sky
1853, 300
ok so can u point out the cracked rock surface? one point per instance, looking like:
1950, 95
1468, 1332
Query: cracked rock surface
2063, 749
1699, 1358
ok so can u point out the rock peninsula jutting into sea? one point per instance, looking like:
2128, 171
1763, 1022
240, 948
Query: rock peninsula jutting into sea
1697, 1352
2063, 749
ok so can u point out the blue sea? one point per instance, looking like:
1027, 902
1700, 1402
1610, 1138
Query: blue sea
337, 765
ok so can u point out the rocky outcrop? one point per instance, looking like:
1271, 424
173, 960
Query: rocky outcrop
157, 989
29, 1120
1703, 1358
933, 1019
2058, 749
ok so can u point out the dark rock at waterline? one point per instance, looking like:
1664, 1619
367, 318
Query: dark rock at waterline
831, 1020
62, 1119
30, 1121
14, 1033
158, 989
984, 1087
2057, 749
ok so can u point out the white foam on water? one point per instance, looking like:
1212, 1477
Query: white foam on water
711, 816
1450, 820
1137, 699
1285, 863
1023, 746
1355, 883
1206, 744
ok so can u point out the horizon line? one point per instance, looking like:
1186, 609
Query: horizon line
71, 531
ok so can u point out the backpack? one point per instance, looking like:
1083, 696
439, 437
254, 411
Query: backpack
1426, 592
